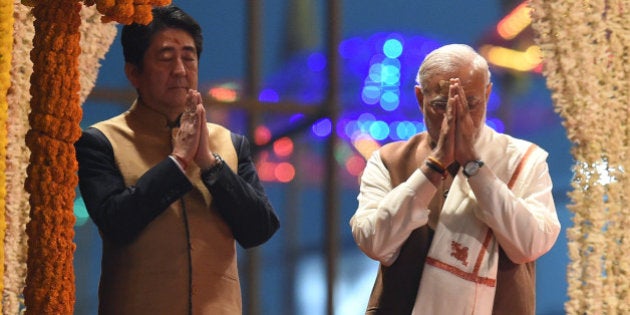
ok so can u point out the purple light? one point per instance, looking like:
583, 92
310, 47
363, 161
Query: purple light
322, 128
351, 129
493, 102
376, 72
296, 118
268, 95
317, 62
495, 124
371, 94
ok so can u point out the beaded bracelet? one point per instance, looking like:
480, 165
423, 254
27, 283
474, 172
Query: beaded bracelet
436, 162
435, 167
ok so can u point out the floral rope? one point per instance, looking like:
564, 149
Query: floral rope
17, 206
54, 119
6, 48
96, 38
587, 70
127, 11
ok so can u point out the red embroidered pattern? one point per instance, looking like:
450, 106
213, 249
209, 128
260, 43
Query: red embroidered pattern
459, 252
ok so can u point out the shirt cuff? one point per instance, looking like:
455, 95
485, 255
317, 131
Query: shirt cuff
181, 167
423, 187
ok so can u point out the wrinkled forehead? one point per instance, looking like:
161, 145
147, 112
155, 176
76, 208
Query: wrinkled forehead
470, 80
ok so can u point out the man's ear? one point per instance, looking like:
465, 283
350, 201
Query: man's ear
419, 97
132, 72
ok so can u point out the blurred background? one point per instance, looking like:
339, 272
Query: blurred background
317, 86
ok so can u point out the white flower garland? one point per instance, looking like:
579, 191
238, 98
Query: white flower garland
586, 51
17, 205
96, 38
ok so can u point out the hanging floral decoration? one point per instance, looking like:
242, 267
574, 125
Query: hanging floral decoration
96, 38
586, 51
6, 47
54, 127
127, 11
54, 120
16, 201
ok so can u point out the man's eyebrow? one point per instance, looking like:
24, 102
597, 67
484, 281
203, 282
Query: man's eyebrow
443, 86
186, 48
190, 48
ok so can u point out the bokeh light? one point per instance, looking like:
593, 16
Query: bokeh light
266, 171
377, 70
371, 94
389, 101
392, 48
379, 130
496, 124
355, 165
284, 172
262, 135
283, 147
223, 94
316, 62
365, 146
80, 212
405, 130
322, 128
268, 95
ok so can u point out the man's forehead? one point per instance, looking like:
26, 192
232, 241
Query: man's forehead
443, 86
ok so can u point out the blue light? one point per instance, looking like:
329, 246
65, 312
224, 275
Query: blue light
371, 94
322, 128
420, 126
389, 101
349, 48
341, 127
406, 130
352, 129
375, 73
80, 212
364, 121
392, 48
296, 118
268, 95
317, 62
493, 102
496, 124
379, 130
390, 75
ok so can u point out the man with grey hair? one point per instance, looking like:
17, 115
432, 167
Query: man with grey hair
456, 215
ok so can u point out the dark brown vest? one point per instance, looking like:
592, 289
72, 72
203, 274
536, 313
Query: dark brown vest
396, 286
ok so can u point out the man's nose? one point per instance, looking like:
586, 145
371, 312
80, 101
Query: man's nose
179, 68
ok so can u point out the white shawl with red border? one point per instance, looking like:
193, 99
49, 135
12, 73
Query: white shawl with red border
459, 276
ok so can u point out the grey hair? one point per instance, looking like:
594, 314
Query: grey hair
447, 59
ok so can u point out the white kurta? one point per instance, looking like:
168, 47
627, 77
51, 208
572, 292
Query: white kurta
525, 224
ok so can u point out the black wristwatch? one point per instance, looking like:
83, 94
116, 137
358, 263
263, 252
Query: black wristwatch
211, 173
471, 168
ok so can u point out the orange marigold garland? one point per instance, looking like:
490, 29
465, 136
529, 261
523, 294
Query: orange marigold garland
127, 11
54, 119
6, 47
